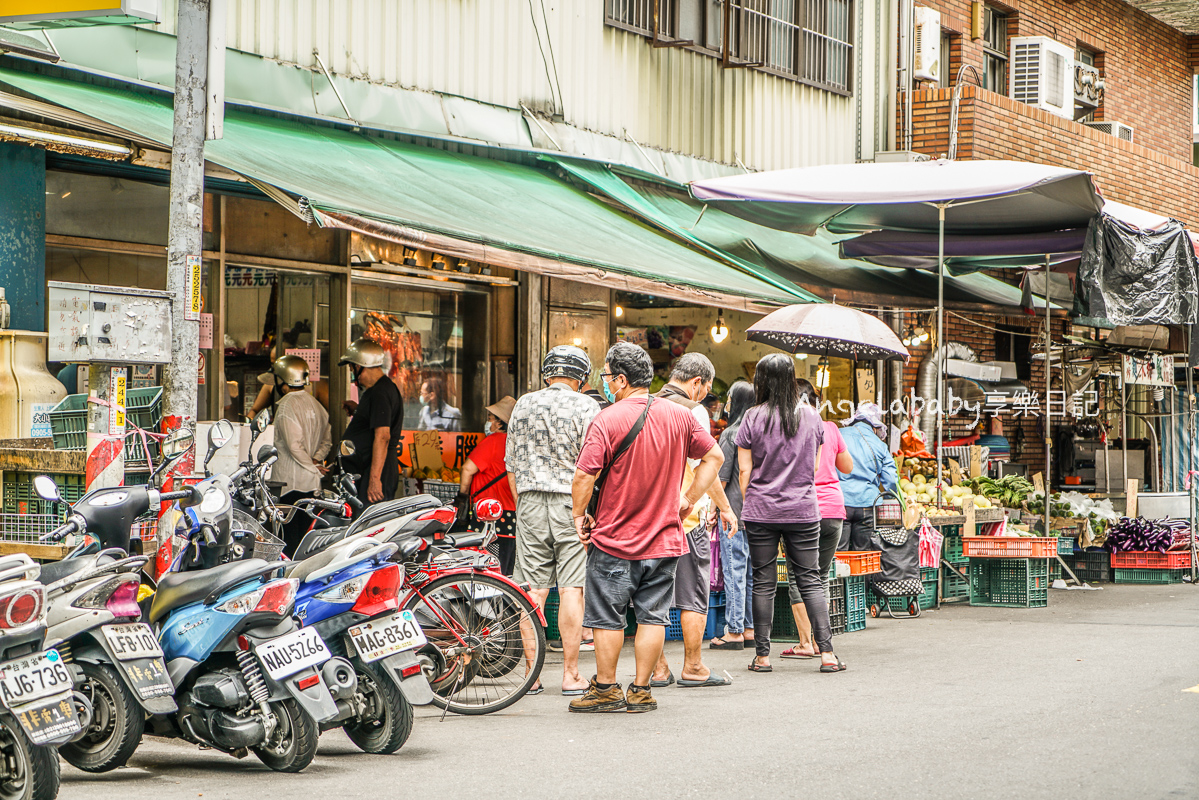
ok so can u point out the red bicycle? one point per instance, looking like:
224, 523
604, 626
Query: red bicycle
486, 635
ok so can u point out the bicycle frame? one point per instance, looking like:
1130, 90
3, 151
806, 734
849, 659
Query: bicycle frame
450, 625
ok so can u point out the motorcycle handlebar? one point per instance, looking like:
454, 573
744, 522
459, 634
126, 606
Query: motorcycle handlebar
316, 502
58, 534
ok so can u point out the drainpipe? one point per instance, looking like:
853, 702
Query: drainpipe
926, 380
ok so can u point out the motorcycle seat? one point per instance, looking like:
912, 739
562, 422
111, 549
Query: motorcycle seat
181, 588
300, 570
317, 541
57, 570
381, 512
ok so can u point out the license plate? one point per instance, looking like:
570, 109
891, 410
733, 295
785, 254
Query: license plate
382, 637
148, 677
289, 654
31, 678
46, 720
131, 641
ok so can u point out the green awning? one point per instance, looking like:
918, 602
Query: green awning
502, 206
812, 261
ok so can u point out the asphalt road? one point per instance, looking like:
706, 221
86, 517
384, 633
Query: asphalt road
1083, 699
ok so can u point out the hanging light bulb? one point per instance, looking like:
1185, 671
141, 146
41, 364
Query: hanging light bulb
619, 311
909, 339
719, 331
921, 335
822, 373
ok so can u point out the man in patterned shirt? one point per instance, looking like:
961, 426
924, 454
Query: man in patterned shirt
545, 434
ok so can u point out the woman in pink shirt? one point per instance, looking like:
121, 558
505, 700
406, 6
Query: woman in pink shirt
832, 513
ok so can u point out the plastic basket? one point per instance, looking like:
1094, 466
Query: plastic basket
783, 629
26, 527
951, 549
1065, 545
1009, 582
1134, 559
1091, 566
855, 597
443, 491
715, 626
68, 419
838, 622
1009, 546
953, 586
551, 617
1150, 575
20, 498
861, 562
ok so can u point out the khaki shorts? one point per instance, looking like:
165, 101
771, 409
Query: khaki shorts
548, 550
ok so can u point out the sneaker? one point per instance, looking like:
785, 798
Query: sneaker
639, 699
596, 700
587, 646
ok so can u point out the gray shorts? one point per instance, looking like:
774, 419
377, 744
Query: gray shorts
548, 550
693, 578
613, 583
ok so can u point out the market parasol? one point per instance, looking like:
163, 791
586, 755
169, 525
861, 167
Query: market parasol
828, 329
955, 197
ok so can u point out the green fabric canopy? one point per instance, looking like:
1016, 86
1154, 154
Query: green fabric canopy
500, 204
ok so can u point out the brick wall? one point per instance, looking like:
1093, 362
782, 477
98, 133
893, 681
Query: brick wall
976, 332
1146, 64
991, 126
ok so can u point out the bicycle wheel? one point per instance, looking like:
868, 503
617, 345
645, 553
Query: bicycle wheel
470, 620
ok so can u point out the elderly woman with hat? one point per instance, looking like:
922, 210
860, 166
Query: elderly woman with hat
865, 436
485, 476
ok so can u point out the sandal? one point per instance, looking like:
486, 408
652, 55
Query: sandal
727, 644
754, 666
662, 684
838, 667
538, 689
793, 652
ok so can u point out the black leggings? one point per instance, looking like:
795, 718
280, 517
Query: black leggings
801, 541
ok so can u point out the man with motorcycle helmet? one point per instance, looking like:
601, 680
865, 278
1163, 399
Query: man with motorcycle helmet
376, 425
545, 433
302, 438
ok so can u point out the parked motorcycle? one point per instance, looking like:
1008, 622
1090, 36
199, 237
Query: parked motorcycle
37, 708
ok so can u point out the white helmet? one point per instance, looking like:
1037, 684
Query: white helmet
291, 370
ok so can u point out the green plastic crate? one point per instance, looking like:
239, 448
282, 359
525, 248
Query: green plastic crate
551, 617
929, 577
1150, 575
847, 601
1009, 582
951, 549
783, 628
855, 603
143, 408
953, 586
20, 498
1065, 546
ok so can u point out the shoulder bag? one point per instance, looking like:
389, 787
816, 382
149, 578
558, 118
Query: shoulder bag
624, 445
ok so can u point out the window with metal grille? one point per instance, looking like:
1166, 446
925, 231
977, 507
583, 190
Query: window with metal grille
995, 64
806, 40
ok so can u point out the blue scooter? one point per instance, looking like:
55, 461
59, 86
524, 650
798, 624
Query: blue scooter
247, 678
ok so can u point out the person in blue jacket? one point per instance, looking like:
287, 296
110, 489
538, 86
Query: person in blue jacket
865, 436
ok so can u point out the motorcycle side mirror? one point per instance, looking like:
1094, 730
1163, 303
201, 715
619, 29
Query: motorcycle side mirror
47, 489
177, 443
267, 453
262, 420
218, 436
347, 447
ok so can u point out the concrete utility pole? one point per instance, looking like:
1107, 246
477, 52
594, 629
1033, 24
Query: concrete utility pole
185, 236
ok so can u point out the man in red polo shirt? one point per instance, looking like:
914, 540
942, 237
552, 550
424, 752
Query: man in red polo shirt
637, 535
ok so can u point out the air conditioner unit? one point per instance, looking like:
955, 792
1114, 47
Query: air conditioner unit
1117, 129
1042, 74
928, 45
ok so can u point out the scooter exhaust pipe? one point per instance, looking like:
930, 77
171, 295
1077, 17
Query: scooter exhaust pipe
338, 674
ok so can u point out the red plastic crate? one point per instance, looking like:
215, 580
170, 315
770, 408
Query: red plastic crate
1135, 559
861, 562
1009, 547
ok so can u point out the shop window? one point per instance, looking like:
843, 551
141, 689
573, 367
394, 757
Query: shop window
995, 58
437, 340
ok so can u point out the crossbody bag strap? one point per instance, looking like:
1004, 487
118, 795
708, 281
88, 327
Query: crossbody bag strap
624, 445
489, 484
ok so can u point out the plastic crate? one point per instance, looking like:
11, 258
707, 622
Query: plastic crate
1009, 547
953, 586
445, 491
1135, 559
781, 564
1009, 582
551, 617
855, 597
838, 622
715, 626
20, 498
951, 530
783, 628
861, 562
1150, 575
1065, 545
68, 419
951, 549
929, 577
1091, 566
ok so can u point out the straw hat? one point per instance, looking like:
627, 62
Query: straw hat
503, 408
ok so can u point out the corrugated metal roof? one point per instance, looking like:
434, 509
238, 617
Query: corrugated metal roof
1180, 14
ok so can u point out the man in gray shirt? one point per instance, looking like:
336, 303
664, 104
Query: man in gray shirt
545, 434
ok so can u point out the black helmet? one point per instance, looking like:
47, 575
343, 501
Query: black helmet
566, 361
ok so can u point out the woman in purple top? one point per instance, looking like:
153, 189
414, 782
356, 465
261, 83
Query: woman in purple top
778, 447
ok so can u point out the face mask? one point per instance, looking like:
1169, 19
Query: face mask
487, 429
608, 392
423, 401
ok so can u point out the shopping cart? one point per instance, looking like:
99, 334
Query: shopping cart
899, 550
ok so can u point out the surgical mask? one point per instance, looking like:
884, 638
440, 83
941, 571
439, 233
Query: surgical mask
608, 392
487, 429
424, 401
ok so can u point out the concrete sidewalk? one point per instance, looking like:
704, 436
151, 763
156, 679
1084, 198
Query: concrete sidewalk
1083, 699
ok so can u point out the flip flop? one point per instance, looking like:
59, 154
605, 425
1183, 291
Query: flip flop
712, 680
754, 666
728, 644
838, 667
574, 692
792, 652
662, 684
538, 689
